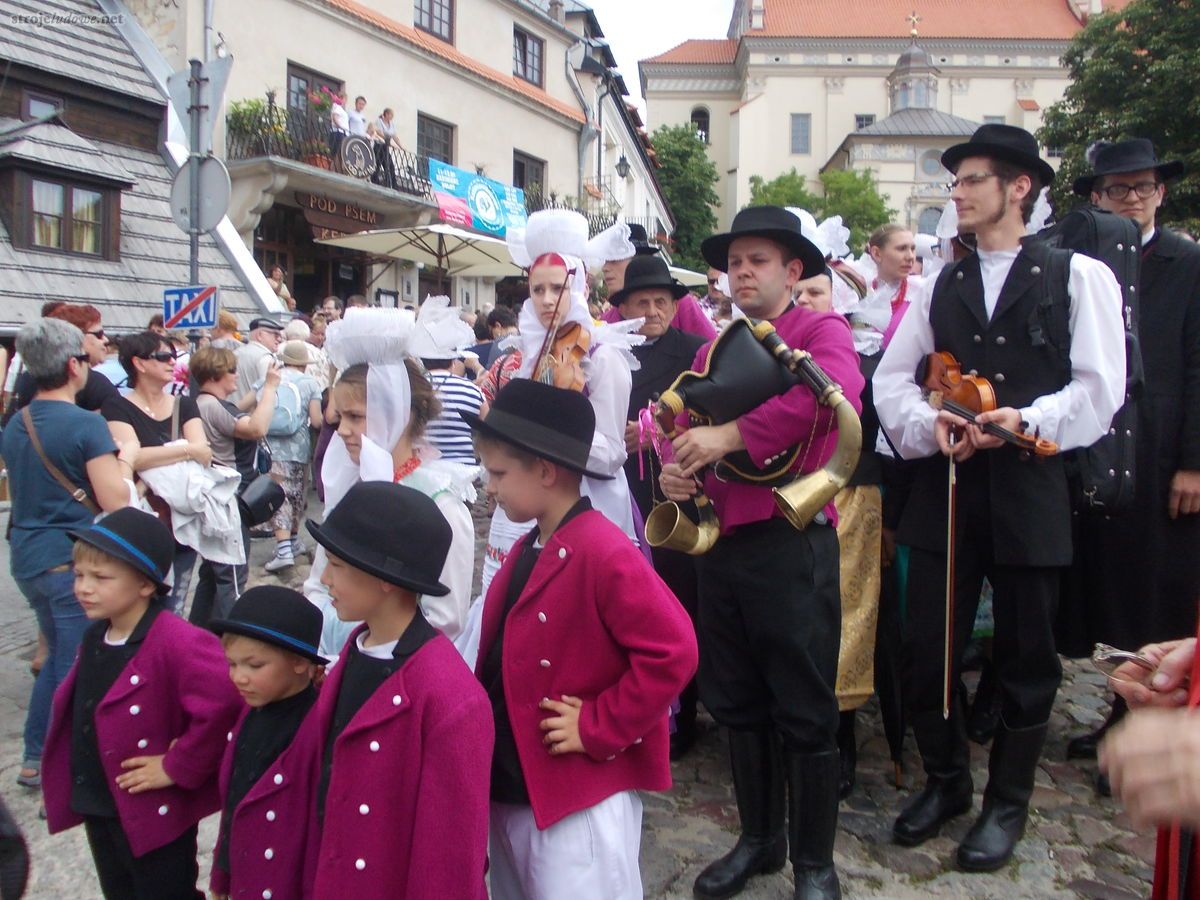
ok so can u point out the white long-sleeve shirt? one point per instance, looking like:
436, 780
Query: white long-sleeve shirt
1075, 416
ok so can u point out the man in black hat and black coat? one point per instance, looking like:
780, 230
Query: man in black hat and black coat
1014, 516
1136, 577
651, 294
769, 605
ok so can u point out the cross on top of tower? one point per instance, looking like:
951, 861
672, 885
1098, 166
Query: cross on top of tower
914, 20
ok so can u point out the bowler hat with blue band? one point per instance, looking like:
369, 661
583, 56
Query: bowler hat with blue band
278, 616
137, 539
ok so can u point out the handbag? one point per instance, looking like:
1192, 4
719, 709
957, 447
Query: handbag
259, 500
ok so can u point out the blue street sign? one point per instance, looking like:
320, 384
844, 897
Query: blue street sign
191, 307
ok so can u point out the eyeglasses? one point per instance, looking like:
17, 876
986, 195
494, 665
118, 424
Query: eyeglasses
98, 333
970, 181
161, 356
1121, 665
1143, 189
82, 358
712, 282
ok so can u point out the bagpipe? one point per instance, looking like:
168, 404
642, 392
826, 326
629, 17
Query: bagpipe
747, 365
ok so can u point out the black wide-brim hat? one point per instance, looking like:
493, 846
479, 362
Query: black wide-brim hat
136, 538
646, 273
549, 422
390, 531
1134, 155
277, 616
1007, 143
641, 240
772, 222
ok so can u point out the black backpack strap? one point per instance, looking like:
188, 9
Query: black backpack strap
1050, 324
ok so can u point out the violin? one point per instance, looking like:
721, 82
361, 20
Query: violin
946, 387
562, 363
560, 359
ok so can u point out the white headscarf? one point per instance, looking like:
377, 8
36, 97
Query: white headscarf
440, 333
831, 237
565, 232
380, 338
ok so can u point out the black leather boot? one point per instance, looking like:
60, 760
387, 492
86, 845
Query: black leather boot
848, 752
812, 823
985, 707
989, 844
948, 788
1084, 746
759, 787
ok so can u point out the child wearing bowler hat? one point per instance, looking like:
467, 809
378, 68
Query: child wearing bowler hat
270, 640
403, 733
139, 724
582, 650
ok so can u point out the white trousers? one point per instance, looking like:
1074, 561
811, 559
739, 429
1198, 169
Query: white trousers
589, 855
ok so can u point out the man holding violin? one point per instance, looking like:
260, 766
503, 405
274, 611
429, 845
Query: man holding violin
769, 615
988, 313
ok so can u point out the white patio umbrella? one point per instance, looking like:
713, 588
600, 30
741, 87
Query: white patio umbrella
452, 250
688, 278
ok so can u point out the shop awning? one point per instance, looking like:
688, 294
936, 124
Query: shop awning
456, 251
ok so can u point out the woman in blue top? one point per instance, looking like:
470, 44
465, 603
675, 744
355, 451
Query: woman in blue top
78, 444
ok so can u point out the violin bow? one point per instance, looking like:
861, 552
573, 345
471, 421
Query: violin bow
551, 333
948, 646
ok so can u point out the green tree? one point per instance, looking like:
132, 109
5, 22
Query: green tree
1133, 74
788, 189
852, 195
687, 177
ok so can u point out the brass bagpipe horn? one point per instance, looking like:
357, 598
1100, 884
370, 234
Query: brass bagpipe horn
748, 364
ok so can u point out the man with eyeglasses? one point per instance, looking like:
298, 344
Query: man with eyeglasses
1137, 576
1013, 514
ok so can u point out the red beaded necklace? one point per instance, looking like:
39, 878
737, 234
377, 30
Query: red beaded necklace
405, 469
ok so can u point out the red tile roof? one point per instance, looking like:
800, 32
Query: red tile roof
699, 52
979, 19
432, 45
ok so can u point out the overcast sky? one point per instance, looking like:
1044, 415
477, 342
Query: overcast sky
636, 29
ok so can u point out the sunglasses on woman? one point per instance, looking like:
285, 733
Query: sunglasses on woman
98, 333
161, 356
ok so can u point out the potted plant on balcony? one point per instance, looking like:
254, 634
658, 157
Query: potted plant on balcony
315, 153
254, 127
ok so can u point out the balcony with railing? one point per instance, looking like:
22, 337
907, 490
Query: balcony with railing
255, 129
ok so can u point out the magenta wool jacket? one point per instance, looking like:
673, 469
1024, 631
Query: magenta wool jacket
593, 622
175, 689
273, 829
406, 813
792, 418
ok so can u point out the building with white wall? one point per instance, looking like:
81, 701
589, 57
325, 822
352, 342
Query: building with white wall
521, 91
809, 84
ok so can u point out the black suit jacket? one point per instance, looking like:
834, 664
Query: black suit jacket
662, 362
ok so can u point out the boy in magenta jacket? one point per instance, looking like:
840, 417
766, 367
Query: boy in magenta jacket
582, 650
270, 639
139, 724
403, 731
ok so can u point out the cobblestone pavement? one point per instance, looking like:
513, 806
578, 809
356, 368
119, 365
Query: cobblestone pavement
1077, 845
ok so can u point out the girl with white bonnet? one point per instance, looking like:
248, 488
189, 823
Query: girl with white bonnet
384, 402
555, 248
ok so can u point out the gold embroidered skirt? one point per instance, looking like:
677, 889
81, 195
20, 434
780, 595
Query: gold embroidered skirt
860, 528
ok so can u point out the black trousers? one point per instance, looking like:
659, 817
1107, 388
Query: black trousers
770, 620
168, 873
678, 571
1024, 601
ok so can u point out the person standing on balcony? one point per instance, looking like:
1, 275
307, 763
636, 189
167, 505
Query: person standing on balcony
339, 124
384, 135
358, 117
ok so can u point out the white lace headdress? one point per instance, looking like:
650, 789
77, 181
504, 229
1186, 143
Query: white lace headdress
380, 338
